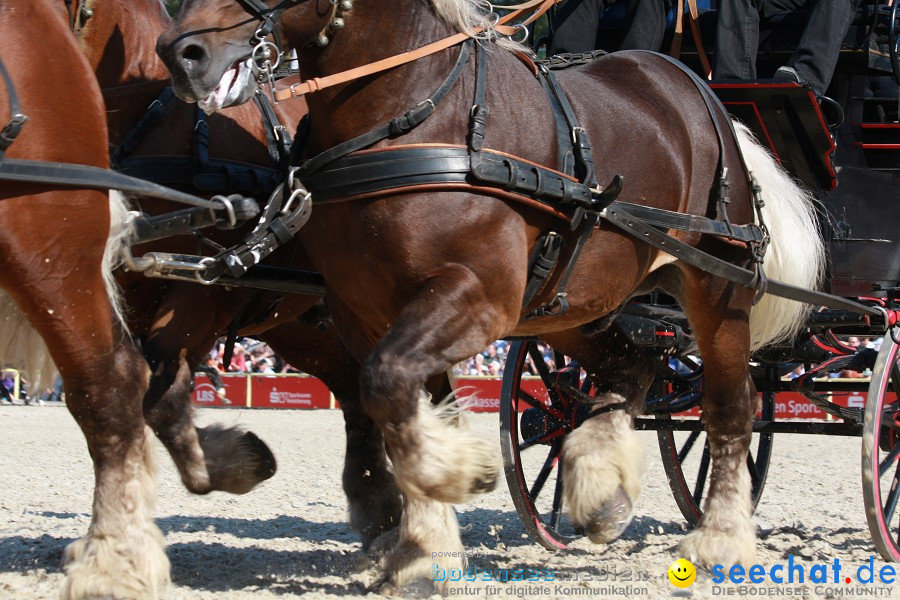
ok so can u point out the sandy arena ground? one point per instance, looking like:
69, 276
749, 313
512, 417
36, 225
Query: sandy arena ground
289, 537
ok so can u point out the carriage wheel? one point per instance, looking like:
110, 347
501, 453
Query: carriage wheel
894, 43
686, 459
881, 450
535, 417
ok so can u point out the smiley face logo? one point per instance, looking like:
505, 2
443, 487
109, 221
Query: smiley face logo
682, 573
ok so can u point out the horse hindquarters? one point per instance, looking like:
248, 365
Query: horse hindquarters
726, 335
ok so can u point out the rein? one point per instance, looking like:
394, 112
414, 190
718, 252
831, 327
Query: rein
269, 18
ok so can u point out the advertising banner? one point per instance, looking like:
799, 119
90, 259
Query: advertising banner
476, 394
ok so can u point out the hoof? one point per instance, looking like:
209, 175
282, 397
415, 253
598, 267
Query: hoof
611, 520
708, 547
236, 460
266, 466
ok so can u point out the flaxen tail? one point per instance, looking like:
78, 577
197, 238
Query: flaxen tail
796, 254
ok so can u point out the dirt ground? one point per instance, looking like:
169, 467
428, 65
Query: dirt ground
289, 537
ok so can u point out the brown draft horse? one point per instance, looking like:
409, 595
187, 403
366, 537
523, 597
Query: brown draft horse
422, 277
178, 321
56, 250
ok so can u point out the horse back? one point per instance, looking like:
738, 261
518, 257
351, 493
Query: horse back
648, 121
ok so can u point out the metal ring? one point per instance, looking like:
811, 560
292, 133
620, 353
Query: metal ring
298, 191
525, 32
229, 209
198, 275
258, 64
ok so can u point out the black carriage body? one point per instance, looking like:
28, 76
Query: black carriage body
863, 208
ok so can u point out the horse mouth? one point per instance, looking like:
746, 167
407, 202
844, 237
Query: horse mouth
230, 88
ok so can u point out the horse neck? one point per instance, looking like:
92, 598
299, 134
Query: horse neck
375, 29
119, 41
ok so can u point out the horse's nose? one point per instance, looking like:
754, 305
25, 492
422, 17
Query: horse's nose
188, 55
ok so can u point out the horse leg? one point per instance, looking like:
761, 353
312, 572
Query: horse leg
603, 459
213, 458
433, 459
429, 544
105, 377
374, 500
726, 534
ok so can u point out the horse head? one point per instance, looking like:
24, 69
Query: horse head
217, 50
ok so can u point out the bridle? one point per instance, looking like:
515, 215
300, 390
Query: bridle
261, 55
79, 13
266, 56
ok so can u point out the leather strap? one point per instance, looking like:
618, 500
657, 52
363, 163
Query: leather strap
624, 220
395, 127
16, 118
86, 176
693, 223
144, 125
698, 39
318, 83
675, 48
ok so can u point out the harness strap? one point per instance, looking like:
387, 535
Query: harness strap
395, 127
144, 125
693, 223
85, 176
619, 216
315, 84
715, 108
480, 111
217, 175
200, 171
16, 118
565, 159
278, 139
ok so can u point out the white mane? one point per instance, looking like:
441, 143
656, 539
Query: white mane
465, 15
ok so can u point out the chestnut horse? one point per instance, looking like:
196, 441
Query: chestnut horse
57, 247
178, 322
421, 277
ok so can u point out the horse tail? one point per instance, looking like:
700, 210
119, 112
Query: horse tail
796, 253
120, 236
21, 346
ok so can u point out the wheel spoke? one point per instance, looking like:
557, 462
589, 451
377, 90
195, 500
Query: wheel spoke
754, 473
888, 461
890, 504
545, 472
541, 438
688, 445
539, 363
535, 403
701, 475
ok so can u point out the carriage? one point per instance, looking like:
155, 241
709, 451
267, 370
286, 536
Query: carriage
540, 414
846, 150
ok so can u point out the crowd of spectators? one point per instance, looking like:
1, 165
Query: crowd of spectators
248, 356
